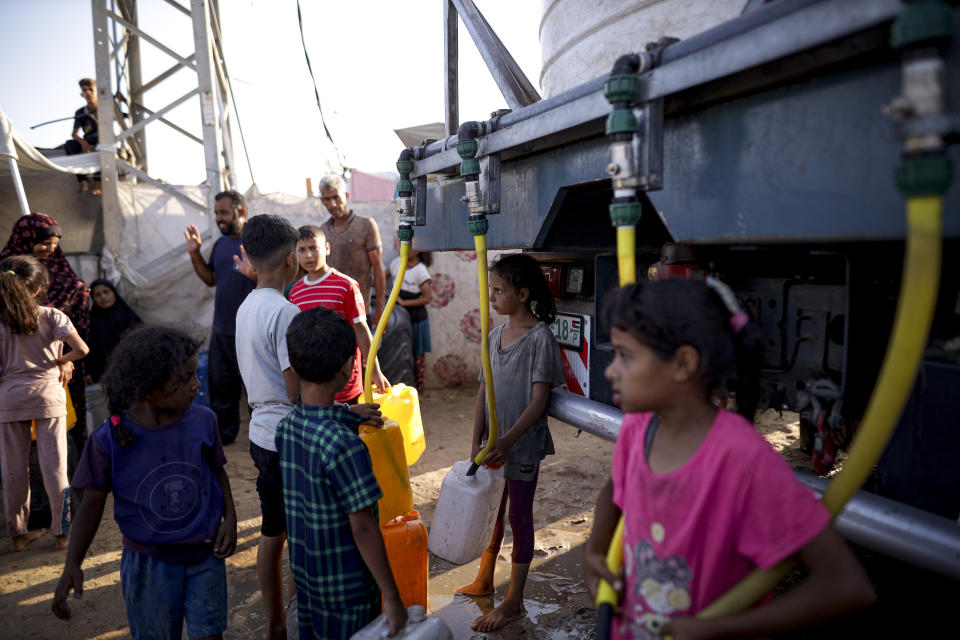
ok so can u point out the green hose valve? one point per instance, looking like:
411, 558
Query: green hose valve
621, 88
404, 167
405, 233
922, 21
478, 226
468, 151
625, 214
404, 186
924, 176
621, 121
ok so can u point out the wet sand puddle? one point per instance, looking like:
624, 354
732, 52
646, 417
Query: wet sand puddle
556, 600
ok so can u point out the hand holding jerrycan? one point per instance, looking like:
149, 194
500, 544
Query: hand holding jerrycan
420, 626
401, 404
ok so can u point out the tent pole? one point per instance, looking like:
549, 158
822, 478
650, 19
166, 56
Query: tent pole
18, 185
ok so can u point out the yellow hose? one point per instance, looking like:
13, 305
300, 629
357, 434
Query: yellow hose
384, 318
627, 264
627, 254
480, 243
911, 328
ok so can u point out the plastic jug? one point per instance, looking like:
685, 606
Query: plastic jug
406, 541
420, 626
466, 511
402, 405
385, 445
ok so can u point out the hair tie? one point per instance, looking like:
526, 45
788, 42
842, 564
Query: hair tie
11, 272
738, 317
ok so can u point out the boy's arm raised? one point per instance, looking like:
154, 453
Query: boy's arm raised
84, 529
226, 542
366, 533
836, 584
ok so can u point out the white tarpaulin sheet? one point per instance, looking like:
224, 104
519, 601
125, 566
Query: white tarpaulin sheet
28, 158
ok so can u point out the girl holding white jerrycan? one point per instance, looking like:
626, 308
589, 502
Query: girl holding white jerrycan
525, 361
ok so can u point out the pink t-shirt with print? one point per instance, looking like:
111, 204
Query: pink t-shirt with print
692, 533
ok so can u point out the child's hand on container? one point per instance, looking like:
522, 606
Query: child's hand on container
370, 411
396, 615
501, 448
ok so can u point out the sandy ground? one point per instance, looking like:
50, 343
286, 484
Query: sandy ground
556, 600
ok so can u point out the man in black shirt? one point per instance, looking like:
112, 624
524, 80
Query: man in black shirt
85, 121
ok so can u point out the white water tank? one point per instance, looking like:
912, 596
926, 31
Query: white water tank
581, 39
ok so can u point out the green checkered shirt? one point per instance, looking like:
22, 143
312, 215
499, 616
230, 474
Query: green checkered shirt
327, 475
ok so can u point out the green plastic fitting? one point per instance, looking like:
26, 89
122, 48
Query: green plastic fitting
468, 151
624, 214
621, 88
924, 176
922, 21
404, 166
478, 227
405, 234
404, 186
621, 121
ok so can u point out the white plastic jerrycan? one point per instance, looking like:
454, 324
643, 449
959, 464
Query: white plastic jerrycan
466, 511
420, 626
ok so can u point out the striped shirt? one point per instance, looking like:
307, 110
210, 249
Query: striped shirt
326, 475
340, 293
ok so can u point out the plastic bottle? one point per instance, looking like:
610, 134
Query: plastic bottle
402, 405
406, 541
466, 511
390, 468
420, 626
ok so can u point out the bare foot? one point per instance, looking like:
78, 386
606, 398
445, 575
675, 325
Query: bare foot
96, 188
20, 542
63, 541
84, 186
478, 587
498, 618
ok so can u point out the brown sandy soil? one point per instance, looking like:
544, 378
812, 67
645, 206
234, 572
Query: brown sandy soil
557, 603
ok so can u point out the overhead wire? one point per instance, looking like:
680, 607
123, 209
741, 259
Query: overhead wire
316, 92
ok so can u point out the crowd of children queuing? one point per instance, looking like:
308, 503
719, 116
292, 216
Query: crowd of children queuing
697, 519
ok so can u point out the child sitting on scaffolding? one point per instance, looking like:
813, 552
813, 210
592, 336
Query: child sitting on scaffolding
85, 121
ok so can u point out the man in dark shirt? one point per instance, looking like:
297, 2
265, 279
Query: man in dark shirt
85, 120
232, 287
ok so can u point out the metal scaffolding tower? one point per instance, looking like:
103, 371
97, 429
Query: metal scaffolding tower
117, 36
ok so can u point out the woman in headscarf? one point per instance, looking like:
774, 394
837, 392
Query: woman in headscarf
110, 318
38, 235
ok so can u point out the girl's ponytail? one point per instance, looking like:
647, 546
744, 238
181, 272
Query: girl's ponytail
20, 278
522, 272
747, 350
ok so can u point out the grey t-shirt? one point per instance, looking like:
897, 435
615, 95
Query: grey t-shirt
262, 322
533, 358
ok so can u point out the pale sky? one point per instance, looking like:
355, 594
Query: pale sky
379, 66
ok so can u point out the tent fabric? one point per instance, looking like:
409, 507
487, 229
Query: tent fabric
13, 145
366, 187
414, 136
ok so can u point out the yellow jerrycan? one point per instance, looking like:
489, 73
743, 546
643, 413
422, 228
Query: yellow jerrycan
385, 445
402, 405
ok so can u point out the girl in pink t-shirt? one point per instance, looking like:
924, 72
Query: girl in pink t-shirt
33, 372
705, 499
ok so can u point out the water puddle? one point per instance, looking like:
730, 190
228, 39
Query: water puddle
555, 599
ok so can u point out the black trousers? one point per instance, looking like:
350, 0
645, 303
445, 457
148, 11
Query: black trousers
225, 384
71, 148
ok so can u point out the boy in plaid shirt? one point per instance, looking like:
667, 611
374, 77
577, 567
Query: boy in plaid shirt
329, 492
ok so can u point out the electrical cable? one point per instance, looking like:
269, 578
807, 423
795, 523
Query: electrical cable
316, 92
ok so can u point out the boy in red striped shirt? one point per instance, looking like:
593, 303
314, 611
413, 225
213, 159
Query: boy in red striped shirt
324, 286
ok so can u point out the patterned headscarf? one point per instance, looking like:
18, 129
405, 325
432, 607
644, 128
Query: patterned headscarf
67, 291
